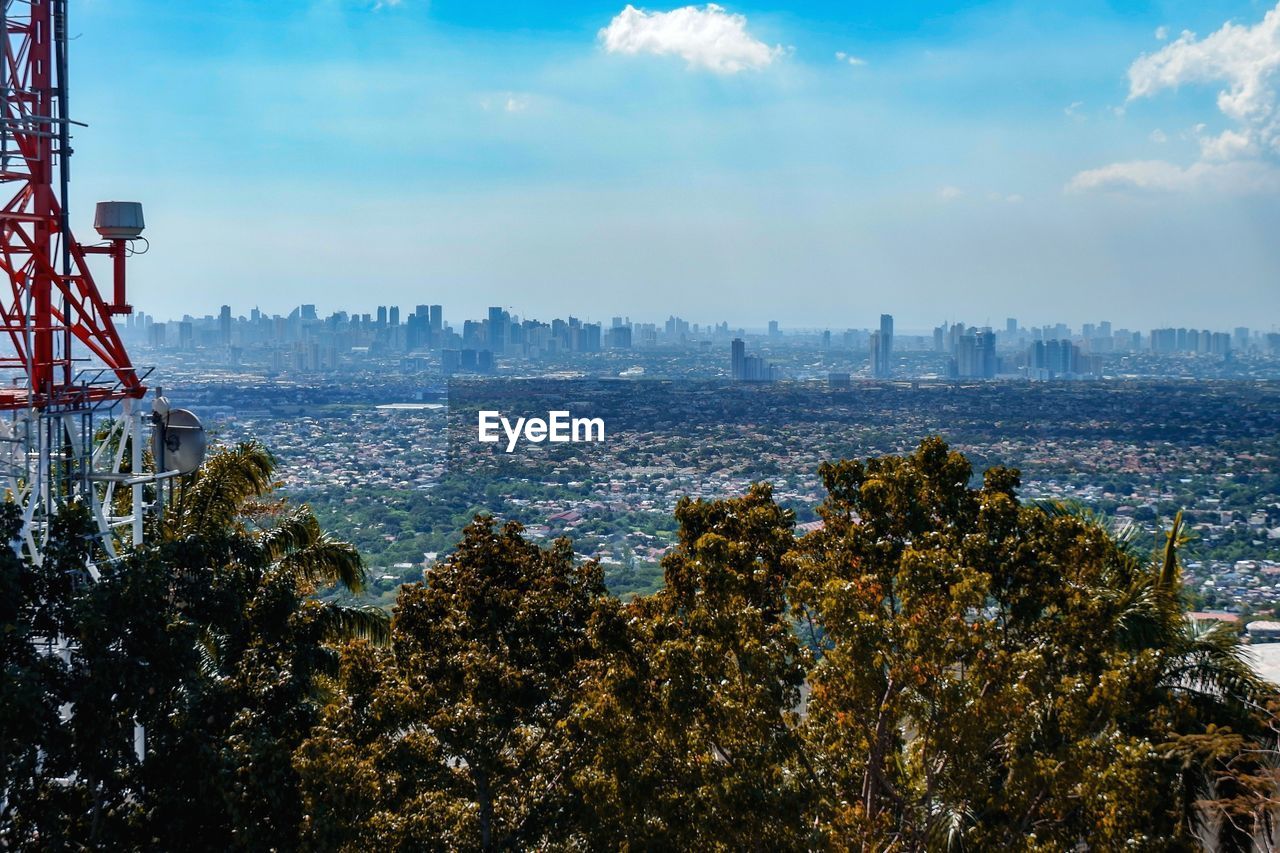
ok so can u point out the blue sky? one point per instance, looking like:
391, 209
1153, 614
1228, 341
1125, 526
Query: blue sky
817, 163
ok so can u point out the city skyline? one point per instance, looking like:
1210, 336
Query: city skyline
504, 343
766, 326
807, 158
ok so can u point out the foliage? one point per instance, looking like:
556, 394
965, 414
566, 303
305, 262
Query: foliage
166, 698
940, 666
1001, 676
692, 709
456, 738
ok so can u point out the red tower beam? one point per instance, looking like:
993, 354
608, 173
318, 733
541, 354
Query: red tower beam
54, 298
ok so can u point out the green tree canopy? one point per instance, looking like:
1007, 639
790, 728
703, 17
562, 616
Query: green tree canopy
456, 738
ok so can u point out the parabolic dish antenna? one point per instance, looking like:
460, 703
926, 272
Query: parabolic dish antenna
178, 442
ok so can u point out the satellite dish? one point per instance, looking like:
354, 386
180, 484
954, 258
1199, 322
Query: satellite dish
178, 442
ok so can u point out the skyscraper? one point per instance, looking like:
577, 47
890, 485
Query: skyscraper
738, 359
497, 329
394, 315
986, 352
882, 348
974, 356
224, 326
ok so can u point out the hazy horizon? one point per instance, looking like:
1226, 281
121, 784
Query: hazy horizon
802, 162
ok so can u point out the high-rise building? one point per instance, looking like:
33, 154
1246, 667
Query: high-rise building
987, 355
437, 320
738, 358
497, 329
975, 356
773, 329
587, 338
382, 316
619, 337
882, 348
393, 316
224, 326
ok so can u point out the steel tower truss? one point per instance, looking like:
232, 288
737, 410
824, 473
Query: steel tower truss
68, 366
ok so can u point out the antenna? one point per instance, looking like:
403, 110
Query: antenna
70, 363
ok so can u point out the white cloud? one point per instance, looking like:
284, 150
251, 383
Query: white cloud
1162, 176
949, 193
1162, 33
1245, 60
706, 37
841, 56
1072, 110
1159, 137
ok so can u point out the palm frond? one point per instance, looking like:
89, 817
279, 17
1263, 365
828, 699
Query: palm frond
947, 826
341, 622
326, 561
212, 499
1169, 567
297, 531
209, 653
1213, 663
1140, 621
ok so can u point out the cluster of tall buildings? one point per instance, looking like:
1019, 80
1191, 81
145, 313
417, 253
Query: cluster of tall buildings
1057, 359
749, 368
1168, 341
304, 340
973, 356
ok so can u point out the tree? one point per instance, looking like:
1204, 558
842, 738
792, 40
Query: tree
456, 737
182, 679
244, 569
1002, 675
693, 709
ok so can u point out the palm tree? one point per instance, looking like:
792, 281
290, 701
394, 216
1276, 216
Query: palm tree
245, 565
225, 512
1197, 699
1229, 757
1218, 707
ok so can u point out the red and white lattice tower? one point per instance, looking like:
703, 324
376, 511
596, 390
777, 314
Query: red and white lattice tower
66, 362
